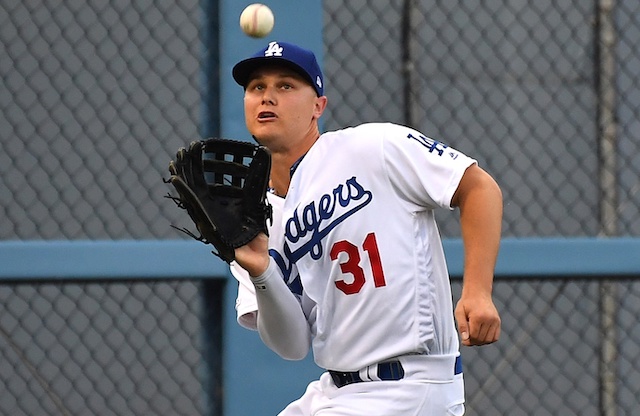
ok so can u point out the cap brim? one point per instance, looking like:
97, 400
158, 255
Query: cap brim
243, 69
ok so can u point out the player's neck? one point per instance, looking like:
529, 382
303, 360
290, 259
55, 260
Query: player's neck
283, 160
279, 179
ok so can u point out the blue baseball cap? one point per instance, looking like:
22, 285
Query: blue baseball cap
301, 60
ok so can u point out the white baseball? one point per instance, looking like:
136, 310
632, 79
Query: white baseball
257, 20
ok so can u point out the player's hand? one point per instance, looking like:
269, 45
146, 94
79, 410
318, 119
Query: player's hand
478, 320
254, 256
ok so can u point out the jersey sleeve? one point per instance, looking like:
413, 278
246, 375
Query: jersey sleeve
422, 170
246, 303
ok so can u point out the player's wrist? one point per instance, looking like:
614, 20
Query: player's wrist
259, 280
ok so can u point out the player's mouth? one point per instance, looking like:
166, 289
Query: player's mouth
266, 115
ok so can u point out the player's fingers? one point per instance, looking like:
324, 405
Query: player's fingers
476, 333
483, 327
487, 334
465, 337
480, 334
463, 324
484, 335
495, 334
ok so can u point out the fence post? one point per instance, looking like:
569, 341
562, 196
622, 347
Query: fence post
606, 58
408, 64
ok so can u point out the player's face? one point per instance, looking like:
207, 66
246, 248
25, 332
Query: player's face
281, 108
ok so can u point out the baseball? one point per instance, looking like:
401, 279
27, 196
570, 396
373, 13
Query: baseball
257, 20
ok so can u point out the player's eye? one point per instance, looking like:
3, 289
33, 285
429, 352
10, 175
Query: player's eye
255, 88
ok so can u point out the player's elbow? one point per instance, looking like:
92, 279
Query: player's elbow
288, 349
294, 355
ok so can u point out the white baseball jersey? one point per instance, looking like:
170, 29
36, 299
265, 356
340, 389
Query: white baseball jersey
358, 242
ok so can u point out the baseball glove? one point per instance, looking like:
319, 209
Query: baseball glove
222, 185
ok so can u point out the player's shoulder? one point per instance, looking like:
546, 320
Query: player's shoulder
367, 134
371, 129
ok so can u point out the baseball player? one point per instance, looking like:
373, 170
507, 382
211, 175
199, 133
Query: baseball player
353, 266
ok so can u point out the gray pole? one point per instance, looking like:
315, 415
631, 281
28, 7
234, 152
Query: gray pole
606, 43
408, 65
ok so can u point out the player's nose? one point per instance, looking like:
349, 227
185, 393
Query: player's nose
268, 96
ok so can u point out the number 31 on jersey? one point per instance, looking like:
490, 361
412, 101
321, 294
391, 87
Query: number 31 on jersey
352, 264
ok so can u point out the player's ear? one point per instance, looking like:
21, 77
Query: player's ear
321, 104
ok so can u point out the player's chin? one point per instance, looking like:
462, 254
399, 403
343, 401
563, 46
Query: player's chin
264, 136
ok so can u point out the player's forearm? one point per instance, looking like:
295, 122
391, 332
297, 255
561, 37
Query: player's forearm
481, 220
281, 322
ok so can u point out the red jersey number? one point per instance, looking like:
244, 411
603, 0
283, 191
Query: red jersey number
352, 264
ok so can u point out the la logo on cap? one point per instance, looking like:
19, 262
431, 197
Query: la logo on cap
273, 49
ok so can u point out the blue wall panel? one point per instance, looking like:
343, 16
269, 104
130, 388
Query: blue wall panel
257, 381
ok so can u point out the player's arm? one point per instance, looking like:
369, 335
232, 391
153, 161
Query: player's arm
479, 199
282, 324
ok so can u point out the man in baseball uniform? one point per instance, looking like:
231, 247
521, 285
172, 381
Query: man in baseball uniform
354, 266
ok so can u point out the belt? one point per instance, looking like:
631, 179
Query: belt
387, 370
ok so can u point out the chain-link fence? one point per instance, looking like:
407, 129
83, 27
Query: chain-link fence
95, 95
544, 94
94, 98
101, 349
548, 359
135, 348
